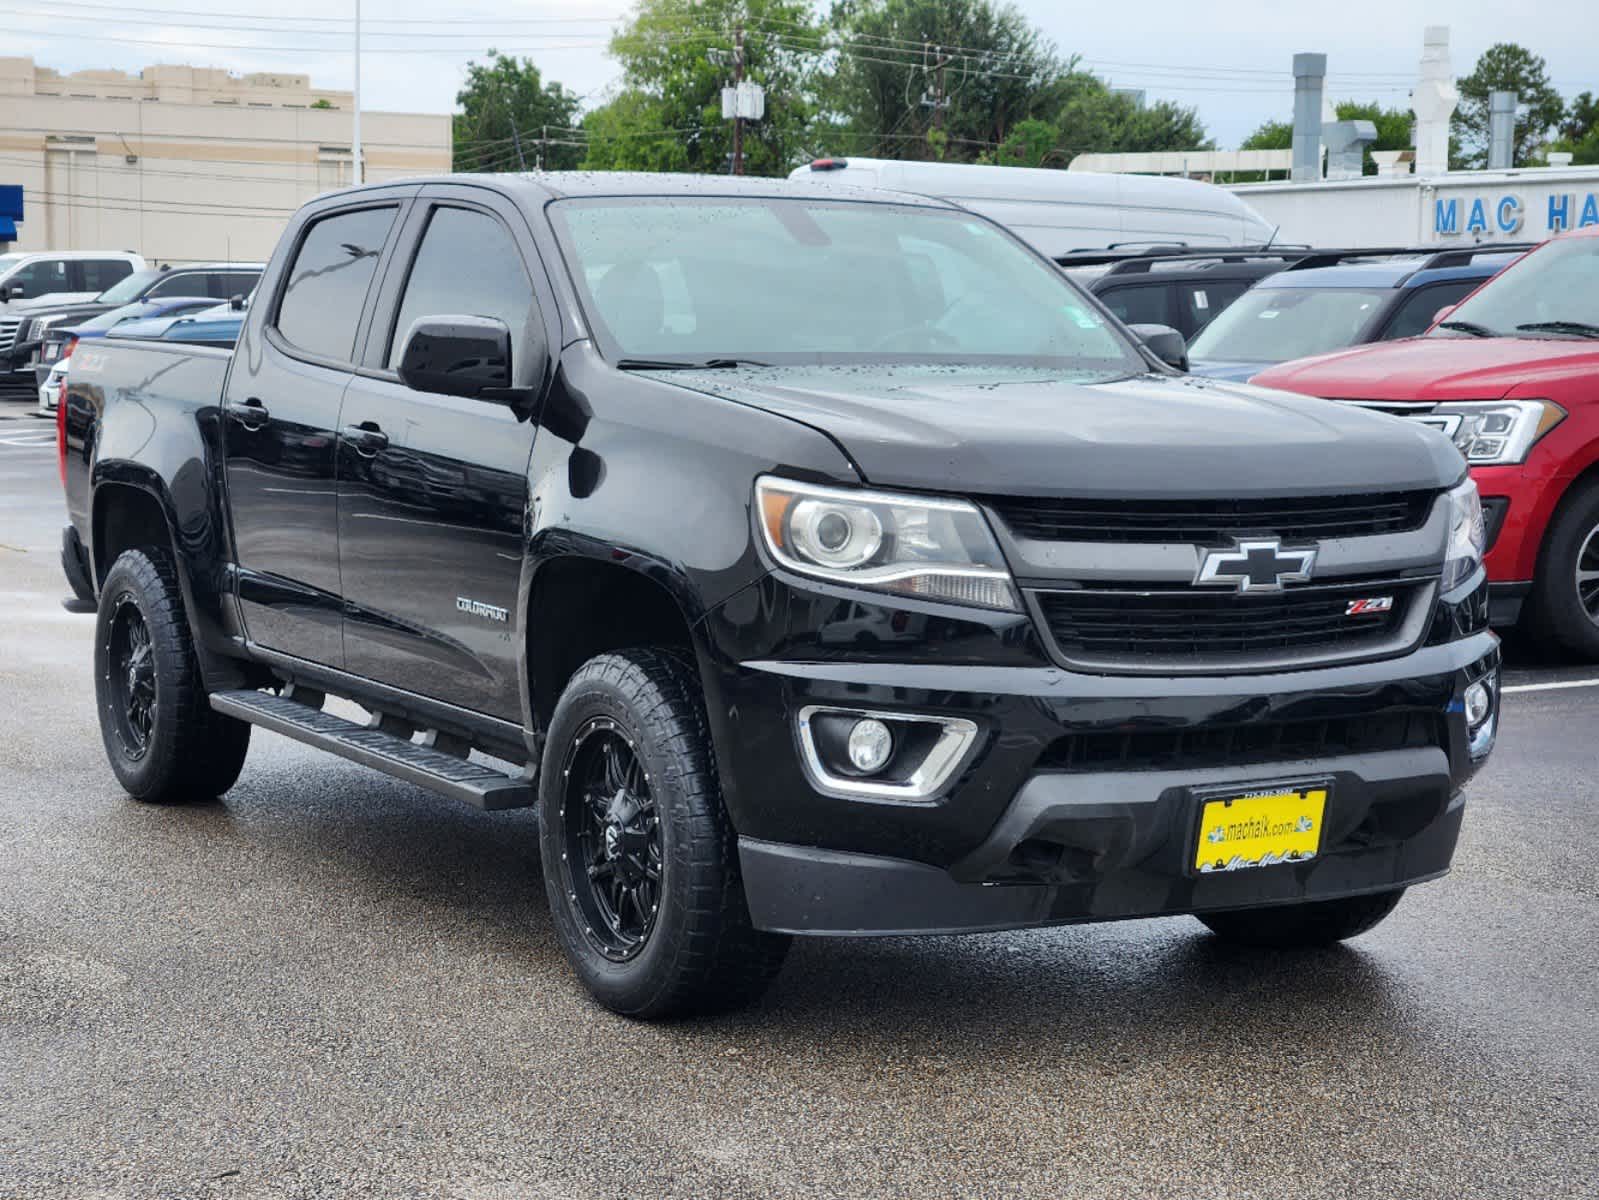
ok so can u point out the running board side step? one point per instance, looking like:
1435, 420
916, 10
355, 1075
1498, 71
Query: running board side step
449, 774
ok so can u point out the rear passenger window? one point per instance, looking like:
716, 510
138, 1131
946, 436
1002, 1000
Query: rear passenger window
328, 281
468, 264
101, 273
1145, 305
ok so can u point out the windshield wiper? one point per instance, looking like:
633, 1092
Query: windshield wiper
1470, 327
677, 364
1578, 328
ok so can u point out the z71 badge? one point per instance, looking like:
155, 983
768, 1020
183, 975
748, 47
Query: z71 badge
1373, 604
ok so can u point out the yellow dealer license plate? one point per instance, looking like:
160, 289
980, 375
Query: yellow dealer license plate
1259, 829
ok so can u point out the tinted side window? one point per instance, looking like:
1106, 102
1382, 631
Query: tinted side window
1416, 311
41, 278
328, 281
180, 283
467, 264
236, 283
1200, 302
101, 273
1148, 304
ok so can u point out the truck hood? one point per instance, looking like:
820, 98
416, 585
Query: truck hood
1438, 369
1036, 432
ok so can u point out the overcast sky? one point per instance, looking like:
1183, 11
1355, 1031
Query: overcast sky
1230, 58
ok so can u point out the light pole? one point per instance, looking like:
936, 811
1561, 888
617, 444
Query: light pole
355, 147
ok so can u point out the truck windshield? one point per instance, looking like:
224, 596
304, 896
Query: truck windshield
779, 281
1272, 325
1553, 292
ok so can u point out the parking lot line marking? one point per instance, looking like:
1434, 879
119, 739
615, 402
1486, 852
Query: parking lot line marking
1551, 687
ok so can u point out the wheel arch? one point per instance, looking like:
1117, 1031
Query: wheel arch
583, 604
131, 508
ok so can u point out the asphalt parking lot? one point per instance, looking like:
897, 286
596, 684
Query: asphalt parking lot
334, 984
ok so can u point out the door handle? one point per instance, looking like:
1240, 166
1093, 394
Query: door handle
252, 414
367, 437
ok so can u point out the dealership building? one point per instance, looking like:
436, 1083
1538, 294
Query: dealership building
187, 164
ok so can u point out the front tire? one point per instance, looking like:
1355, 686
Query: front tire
1302, 926
164, 741
1564, 604
640, 861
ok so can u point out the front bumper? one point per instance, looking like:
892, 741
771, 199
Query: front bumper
1028, 834
1112, 846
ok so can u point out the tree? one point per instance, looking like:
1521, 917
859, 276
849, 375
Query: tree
1581, 118
505, 110
1506, 67
969, 69
1029, 144
1579, 131
676, 56
1394, 126
1272, 135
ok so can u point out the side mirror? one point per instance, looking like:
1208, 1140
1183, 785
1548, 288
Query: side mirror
457, 356
1165, 343
16, 291
1443, 313
236, 302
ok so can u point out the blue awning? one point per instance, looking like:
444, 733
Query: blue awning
8, 230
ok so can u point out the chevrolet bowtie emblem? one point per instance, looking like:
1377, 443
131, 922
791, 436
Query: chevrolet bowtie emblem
1256, 565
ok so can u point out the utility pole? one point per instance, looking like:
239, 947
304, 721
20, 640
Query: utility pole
516, 136
355, 141
738, 122
939, 100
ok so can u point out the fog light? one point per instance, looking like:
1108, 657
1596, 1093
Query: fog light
1478, 704
871, 745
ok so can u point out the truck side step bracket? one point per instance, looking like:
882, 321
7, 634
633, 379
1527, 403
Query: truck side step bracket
449, 774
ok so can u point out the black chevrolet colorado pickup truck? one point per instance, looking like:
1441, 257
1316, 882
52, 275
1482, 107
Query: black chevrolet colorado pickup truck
817, 561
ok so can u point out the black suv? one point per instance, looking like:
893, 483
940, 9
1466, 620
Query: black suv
818, 561
1177, 286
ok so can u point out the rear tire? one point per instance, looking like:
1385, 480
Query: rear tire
164, 741
640, 860
1563, 608
1300, 926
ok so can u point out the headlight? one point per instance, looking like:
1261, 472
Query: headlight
40, 324
935, 549
1468, 537
1496, 433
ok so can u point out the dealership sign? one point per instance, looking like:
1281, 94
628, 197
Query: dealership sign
1507, 213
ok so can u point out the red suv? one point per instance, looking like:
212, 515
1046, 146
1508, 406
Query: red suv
1511, 374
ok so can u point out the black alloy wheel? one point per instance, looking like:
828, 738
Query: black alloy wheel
162, 738
640, 857
612, 840
130, 676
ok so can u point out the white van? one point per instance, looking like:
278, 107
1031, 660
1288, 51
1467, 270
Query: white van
1062, 211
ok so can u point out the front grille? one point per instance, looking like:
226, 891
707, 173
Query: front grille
1187, 628
1205, 746
1212, 522
8, 332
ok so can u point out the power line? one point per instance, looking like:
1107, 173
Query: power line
68, 9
